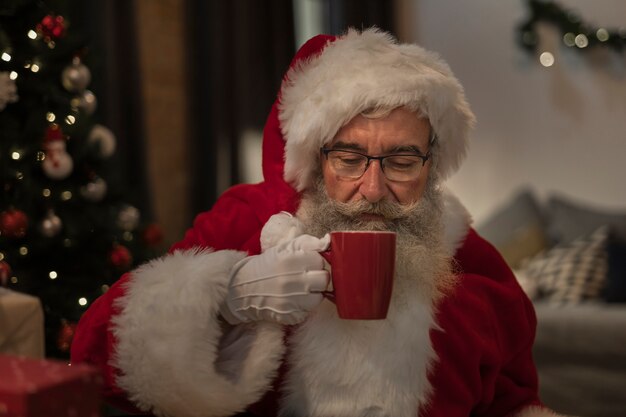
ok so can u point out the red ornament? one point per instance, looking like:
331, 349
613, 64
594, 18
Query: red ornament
120, 257
152, 235
51, 27
5, 273
13, 223
66, 335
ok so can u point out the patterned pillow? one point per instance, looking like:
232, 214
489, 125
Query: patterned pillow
572, 272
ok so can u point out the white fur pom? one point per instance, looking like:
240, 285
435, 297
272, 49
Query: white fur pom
280, 228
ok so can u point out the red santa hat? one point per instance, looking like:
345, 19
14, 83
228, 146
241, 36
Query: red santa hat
333, 79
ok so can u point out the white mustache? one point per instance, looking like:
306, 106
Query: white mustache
385, 208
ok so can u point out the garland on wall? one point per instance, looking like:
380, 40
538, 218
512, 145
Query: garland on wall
575, 32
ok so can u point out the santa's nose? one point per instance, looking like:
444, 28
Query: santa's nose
373, 185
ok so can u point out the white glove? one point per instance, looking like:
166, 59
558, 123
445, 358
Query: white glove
280, 285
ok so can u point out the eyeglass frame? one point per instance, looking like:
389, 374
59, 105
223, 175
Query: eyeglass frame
380, 159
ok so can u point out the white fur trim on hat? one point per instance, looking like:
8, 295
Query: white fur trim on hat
361, 70
173, 356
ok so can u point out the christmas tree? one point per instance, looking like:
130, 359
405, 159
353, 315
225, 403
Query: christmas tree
67, 229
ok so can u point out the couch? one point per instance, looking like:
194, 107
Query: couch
570, 258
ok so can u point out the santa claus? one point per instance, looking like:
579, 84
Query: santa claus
233, 318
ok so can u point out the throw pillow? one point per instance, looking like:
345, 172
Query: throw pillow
571, 272
569, 220
517, 228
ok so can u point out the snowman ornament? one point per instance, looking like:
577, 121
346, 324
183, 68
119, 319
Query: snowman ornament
57, 164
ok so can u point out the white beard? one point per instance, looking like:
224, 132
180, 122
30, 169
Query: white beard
379, 367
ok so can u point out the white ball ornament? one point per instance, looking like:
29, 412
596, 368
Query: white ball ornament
51, 225
128, 218
76, 77
86, 102
94, 190
104, 139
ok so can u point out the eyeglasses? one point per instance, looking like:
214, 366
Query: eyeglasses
398, 167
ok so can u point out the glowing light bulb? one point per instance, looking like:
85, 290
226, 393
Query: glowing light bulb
51, 117
32, 34
581, 41
15, 155
602, 35
546, 59
13, 75
6, 57
82, 301
569, 39
53, 275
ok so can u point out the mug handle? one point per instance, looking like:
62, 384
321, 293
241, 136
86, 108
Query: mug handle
330, 295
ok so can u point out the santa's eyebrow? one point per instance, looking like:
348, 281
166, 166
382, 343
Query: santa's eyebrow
348, 146
400, 149
406, 149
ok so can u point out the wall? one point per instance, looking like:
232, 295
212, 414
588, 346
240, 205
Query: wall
557, 129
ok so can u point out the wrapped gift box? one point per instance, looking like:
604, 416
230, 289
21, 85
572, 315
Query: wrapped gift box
46, 388
21, 324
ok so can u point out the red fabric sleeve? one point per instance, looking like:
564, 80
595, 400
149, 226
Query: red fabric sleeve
94, 343
485, 342
236, 219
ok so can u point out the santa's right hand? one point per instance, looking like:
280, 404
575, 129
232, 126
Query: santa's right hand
282, 285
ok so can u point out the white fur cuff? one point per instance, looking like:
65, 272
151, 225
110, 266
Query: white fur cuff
535, 411
169, 340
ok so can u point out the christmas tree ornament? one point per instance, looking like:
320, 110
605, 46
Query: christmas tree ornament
86, 102
51, 28
103, 139
120, 257
57, 164
66, 335
5, 273
128, 218
76, 77
13, 224
95, 190
51, 225
152, 235
8, 90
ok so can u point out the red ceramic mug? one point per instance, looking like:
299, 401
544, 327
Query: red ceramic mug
362, 269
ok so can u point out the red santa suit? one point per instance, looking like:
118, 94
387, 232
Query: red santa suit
157, 333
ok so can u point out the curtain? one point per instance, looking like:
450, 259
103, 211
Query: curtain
237, 53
